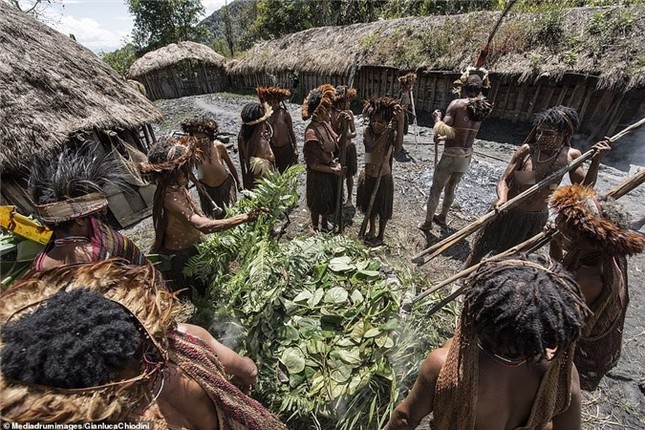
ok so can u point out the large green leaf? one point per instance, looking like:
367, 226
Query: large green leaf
293, 359
336, 295
341, 264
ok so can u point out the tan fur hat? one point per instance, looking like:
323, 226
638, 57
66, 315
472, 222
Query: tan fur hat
578, 209
272, 94
321, 96
407, 80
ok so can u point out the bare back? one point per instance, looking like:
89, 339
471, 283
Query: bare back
183, 403
465, 129
259, 145
282, 128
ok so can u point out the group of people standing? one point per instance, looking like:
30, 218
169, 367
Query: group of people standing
89, 338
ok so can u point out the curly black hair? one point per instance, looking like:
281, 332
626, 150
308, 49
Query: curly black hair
525, 305
76, 339
200, 125
563, 118
250, 112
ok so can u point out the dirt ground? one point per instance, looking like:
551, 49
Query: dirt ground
619, 402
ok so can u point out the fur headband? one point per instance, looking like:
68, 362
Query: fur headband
325, 92
139, 289
271, 94
578, 209
407, 80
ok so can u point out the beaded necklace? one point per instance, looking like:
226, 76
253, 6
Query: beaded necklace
69, 240
504, 361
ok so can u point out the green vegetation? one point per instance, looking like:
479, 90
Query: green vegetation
320, 315
120, 59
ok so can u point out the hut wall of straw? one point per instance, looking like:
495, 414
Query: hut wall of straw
56, 93
180, 69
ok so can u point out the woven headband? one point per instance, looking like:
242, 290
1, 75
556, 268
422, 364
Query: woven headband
73, 208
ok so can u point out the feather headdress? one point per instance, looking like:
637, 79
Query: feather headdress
342, 93
466, 77
321, 96
170, 153
407, 80
385, 106
578, 209
272, 94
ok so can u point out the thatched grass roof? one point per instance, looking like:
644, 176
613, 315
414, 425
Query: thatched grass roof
51, 86
606, 42
173, 53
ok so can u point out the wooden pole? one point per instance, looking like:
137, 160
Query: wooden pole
438, 248
368, 213
529, 245
414, 112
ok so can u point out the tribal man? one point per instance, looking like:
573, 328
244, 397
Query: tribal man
406, 83
381, 138
99, 343
322, 169
596, 236
178, 225
510, 362
283, 140
340, 109
254, 143
457, 130
69, 197
219, 184
546, 150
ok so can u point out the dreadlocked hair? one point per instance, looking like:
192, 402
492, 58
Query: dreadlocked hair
250, 112
562, 118
381, 105
200, 125
75, 339
525, 305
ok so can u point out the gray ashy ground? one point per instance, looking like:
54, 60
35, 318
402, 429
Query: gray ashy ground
619, 403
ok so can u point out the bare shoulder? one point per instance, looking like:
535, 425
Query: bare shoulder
433, 363
574, 153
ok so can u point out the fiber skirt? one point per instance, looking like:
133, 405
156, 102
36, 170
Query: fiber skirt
507, 230
322, 192
222, 195
284, 157
383, 204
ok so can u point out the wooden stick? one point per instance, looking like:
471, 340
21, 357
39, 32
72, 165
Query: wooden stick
529, 245
414, 112
341, 180
441, 246
368, 213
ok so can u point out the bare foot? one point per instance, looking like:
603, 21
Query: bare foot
425, 226
441, 221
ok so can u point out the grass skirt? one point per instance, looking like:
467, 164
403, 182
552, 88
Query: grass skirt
222, 195
507, 230
283, 157
322, 191
384, 196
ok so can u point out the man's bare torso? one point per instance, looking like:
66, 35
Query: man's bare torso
211, 170
260, 143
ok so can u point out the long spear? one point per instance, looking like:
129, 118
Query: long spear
481, 59
441, 246
343, 151
529, 245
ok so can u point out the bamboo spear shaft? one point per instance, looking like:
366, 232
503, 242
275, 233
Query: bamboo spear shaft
529, 245
441, 246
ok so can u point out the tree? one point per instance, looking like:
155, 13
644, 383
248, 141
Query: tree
158, 23
33, 7
228, 29
120, 59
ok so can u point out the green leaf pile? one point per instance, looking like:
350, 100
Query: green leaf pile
319, 317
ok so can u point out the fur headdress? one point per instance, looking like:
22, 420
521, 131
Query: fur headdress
577, 208
466, 78
384, 106
200, 125
170, 153
272, 94
321, 96
342, 93
70, 185
407, 80
139, 290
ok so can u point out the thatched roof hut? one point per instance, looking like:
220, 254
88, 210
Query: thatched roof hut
180, 69
606, 42
537, 60
54, 90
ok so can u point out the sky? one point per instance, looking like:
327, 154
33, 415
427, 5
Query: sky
100, 25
